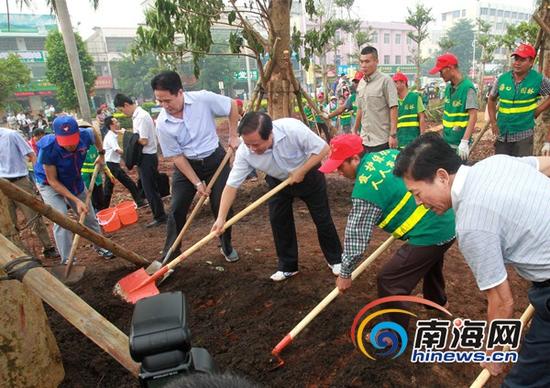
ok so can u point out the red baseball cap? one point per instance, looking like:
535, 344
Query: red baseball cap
239, 102
66, 131
525, 50
400, 77
321, 95
358, 76
341, 148
444, 61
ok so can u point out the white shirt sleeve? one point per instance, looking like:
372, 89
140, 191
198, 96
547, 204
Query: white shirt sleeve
219, 105
309, 142
241, 168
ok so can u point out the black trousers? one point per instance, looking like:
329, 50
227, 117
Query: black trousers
148, 170
98, 198
409, 265
123, 178
518, 148
313, 191
183, 192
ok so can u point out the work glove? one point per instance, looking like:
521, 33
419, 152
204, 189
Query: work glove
546, 149
463, 149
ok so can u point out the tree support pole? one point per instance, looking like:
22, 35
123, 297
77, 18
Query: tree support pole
79, 314
16, 194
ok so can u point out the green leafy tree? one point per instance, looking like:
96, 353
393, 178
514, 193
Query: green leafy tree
13, 72
133, 75
59, 73
446, 44
178, 30
418, 18
488, 44
462, 34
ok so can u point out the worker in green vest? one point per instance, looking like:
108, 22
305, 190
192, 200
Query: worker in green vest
331, 107
380, 198
98, 198
460, 108
411, 120
518, 92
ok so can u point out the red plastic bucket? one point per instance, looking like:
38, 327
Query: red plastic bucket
108, 219
127, 212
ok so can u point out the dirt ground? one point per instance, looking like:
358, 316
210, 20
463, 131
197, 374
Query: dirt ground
239, 315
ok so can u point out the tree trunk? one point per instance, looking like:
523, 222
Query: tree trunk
480, 96
279, 84
72, 55
544, 119
418, 59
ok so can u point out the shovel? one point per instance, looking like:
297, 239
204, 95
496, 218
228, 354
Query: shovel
69, 273
139, 285
156, 265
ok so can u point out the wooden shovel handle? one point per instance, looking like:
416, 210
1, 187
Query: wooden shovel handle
76, 238
230, 222
199, 204
334, 293
485, 375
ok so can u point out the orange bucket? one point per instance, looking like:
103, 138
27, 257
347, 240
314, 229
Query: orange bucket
127, 212
108, 219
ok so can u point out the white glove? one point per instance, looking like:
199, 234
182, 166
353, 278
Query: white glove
324, 115
546, 149
463, 149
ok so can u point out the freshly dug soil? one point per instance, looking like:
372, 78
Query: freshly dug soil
239, 314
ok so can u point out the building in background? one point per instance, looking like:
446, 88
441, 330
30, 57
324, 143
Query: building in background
499, 15
25, 35
395, 49
107, 45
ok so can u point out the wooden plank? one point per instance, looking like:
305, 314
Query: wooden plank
79, 314
17, 194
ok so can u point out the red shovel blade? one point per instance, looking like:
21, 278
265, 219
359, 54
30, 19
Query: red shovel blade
134, 287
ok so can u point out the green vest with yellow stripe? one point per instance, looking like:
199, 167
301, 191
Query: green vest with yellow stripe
516, 112
401, 216
88, 167
408, 125
455, 116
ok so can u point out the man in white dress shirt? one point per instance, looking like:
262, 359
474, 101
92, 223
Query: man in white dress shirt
283, 148
187, 135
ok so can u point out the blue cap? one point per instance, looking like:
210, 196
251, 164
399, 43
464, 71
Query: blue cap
66, 131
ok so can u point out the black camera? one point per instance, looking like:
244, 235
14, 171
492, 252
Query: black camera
161, 341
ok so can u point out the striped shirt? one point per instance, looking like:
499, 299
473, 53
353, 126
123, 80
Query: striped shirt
502, 217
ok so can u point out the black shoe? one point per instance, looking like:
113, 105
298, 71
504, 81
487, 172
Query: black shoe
142, 204
50, 253
155, 223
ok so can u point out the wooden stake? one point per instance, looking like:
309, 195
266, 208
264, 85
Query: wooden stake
17, 194
79, 314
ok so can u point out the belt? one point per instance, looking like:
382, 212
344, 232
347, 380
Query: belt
543, 284
201, 161
16, 178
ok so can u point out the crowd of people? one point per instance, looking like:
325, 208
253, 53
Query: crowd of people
409, 182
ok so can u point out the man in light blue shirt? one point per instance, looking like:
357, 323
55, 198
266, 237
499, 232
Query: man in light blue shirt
186, 128
502, 213
13, 167
282, 148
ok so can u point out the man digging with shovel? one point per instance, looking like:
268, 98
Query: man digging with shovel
58, 175
380, 198
284, 148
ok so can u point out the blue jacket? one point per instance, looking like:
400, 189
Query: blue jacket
68, 164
